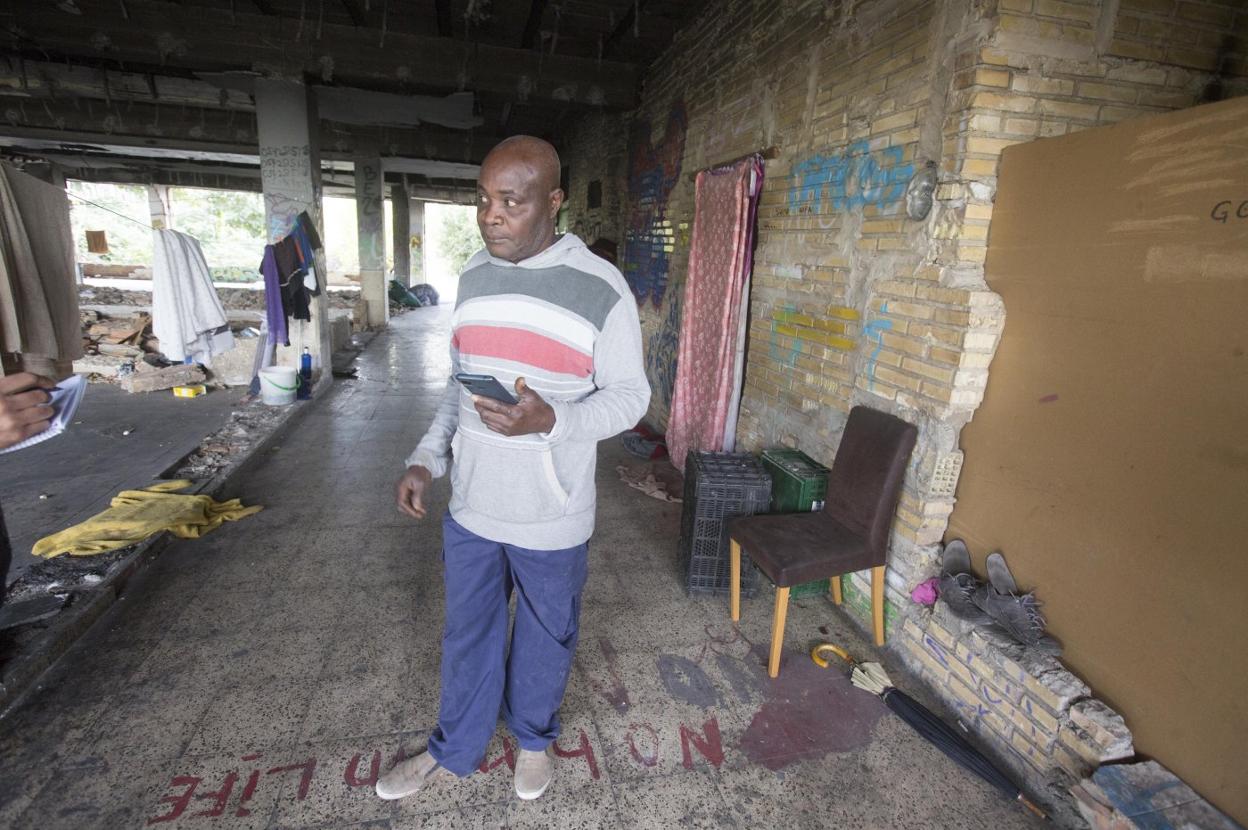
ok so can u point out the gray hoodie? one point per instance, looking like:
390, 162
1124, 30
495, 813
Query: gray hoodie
565, 321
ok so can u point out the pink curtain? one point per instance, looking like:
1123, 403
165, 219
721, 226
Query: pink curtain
712, 330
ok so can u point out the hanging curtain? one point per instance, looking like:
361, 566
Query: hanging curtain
709, 364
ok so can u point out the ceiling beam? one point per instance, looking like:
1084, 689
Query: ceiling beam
354, 11
533, 25
168, 130
201, 39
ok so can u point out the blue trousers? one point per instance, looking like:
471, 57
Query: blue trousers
479, 672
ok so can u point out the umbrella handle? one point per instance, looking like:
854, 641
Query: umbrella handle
816, 654
1022, 799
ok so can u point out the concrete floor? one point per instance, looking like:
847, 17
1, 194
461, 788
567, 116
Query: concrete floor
261, 676
83, 468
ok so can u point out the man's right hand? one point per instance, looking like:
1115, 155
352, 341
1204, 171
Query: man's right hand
24, 409
411, 491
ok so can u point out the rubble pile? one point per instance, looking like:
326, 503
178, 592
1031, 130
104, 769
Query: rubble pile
234, 299
248, 426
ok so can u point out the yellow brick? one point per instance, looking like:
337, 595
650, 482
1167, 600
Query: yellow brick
937, 294
1069, 109
937, 373
842, 312
970, 253
1021, 6
979, 167
883, 226
992, 77
979, 212
1066, 11
902, 344
1107, 92
1036, 85
991, 146
893, 243
945, 356
1019, 126
1000, 101
993, 57
893, 122
921, 312
979, 232
897, 378
865, 244
896, 288
1135, 49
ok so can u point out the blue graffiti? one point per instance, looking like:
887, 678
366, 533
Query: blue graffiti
662, 351
874, 332
649, 239
851, 179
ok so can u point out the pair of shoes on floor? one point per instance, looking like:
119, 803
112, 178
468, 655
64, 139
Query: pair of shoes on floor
998, 604
534, 772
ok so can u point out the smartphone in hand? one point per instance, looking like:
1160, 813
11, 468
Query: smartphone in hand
487, 386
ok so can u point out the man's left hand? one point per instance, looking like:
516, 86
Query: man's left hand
531, 414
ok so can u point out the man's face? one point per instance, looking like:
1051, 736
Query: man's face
515, 208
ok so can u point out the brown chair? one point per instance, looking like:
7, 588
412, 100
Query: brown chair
849, 534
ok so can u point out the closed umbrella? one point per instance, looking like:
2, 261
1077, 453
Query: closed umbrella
872, 678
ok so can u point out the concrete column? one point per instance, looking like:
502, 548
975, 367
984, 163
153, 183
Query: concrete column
400, 219
159, 207
416, 238
371, 220
290, 177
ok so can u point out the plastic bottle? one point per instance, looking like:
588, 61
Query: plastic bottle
305, 372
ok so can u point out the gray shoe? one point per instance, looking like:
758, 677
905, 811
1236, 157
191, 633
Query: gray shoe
534, 772
410, 777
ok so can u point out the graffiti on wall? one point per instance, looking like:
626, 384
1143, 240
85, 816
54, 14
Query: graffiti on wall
286, 174
851, 179
649, 238
662, 350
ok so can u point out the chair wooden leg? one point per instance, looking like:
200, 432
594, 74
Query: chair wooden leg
877, 603
734, 577
777, 631
836, 589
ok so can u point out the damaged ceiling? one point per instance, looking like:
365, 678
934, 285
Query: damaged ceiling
160, 90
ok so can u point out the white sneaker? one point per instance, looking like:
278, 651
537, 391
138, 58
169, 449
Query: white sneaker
410, 777
534, 772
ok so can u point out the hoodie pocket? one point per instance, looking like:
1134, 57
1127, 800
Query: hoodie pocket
508, 483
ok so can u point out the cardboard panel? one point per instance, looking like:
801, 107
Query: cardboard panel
1109, 461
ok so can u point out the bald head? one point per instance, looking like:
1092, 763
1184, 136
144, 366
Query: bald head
538, 156
518, 198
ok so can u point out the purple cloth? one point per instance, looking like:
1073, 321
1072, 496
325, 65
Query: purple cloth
274, 312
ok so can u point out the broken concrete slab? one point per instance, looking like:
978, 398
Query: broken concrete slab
167, 378
1145, 796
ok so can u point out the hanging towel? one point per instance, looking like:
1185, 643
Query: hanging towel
138, 514
187, 315
38, 291
704, 396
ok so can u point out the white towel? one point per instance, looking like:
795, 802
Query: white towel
187, 315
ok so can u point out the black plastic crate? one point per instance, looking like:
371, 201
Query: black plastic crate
719, 486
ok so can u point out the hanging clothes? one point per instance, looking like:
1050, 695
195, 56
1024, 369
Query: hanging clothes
187, 316
38, 290
708, 371
274, 308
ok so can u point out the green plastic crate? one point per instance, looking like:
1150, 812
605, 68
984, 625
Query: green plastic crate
799, 484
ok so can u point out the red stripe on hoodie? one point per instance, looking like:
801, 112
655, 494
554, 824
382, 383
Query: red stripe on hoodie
520, 346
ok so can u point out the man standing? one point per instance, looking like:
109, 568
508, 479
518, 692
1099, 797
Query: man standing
542, 313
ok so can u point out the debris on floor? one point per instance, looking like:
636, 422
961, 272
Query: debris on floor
246, 427
147, 378
138, 514
645, 480
32, 610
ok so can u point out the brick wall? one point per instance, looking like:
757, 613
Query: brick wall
851, 301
